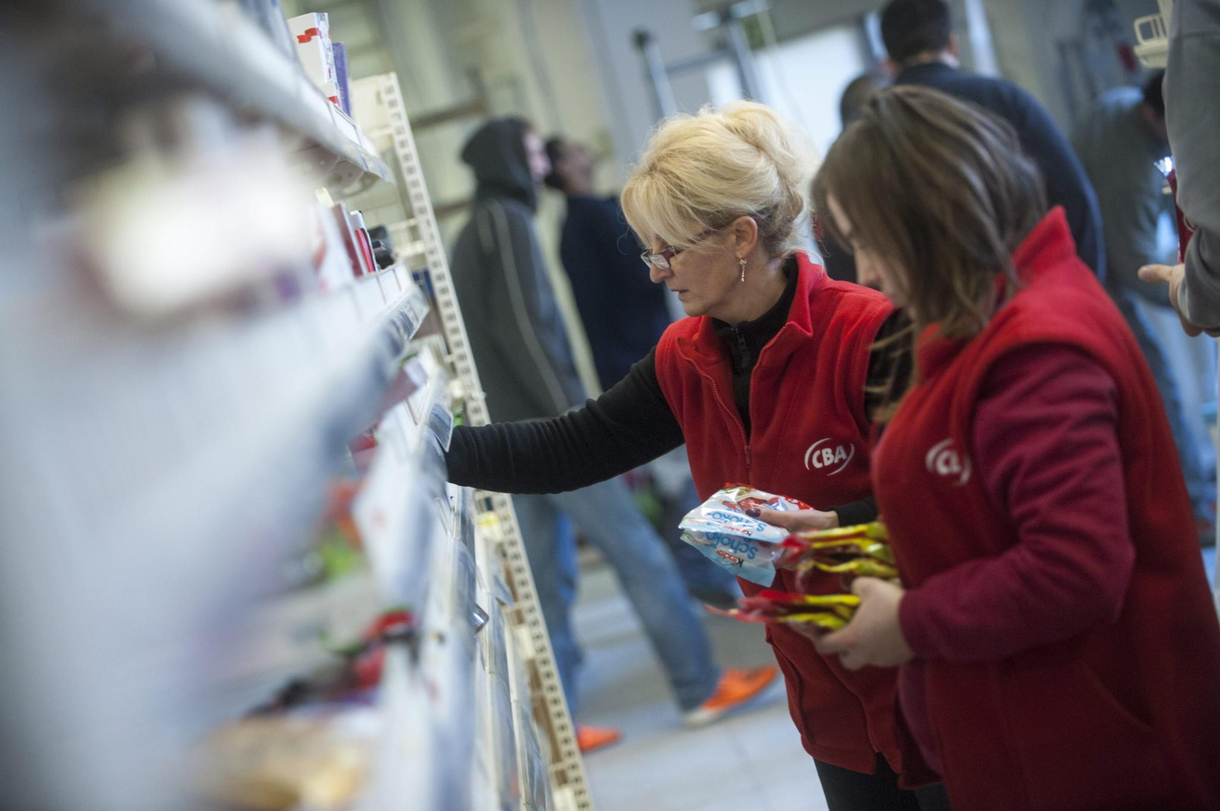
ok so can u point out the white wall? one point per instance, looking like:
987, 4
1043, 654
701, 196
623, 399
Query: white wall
611, 26
803, 79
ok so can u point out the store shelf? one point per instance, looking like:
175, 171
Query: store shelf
167, 467
282, 637
426, 760
182, 466
215, 47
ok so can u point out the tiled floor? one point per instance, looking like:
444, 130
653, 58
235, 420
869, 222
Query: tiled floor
752, 761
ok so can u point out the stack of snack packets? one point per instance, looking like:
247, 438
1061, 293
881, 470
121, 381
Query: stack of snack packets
748, 547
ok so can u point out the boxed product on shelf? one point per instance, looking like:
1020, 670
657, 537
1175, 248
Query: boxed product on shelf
318, 60
339, 52
383, 246
363, 242
485, 794
503, 733
308, 26
312, 32
332, 260
348, 239
331, 91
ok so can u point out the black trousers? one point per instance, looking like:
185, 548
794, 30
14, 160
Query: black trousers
846, 790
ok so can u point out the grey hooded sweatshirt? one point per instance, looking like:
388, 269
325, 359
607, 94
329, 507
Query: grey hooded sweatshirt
516, 330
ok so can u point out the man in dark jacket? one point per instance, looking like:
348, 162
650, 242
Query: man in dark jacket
526, 366
923, 51
623, 312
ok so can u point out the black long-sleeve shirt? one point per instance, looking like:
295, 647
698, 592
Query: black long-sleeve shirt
632, 424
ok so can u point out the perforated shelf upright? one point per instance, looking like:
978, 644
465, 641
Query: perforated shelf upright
388, 125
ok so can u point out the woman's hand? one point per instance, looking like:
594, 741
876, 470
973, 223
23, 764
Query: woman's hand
797, 520
873, 637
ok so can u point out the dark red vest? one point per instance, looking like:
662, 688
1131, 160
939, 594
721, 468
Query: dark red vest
809, 441
1125, 716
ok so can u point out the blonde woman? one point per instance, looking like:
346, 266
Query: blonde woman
771, 365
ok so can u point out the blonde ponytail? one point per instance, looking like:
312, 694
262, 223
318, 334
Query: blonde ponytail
706, 170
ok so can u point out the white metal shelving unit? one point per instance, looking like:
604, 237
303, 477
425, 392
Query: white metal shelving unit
216, 48
161, 471
550, 767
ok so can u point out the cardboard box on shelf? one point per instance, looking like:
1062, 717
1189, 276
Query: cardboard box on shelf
348, 236
317, 59
330, 257
332, 93
306, 26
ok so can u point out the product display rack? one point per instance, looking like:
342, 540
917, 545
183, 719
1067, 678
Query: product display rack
166, 472
215, 47
501, 540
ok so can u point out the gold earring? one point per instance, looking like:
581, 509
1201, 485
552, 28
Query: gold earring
742, 261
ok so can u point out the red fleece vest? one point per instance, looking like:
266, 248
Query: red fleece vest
810, 441
1125, 716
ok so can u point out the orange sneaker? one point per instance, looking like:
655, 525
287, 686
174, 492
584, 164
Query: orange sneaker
736, 687
590, 738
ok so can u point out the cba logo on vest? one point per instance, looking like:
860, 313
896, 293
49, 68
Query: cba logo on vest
834, 458
943, 460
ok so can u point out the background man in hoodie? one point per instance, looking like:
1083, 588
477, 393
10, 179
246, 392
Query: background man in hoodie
527, 369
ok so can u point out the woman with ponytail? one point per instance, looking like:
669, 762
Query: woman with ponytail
773, 360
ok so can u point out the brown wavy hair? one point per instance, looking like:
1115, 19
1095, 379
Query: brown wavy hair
942, 192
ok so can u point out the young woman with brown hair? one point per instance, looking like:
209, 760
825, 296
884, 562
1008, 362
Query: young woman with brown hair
1058, 642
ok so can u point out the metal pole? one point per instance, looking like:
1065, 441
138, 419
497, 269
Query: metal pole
747, 69
654, 63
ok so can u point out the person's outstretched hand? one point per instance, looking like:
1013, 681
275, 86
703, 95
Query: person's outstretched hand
1172, 275
797, 520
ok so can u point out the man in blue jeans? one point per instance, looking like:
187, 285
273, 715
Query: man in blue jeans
521, 347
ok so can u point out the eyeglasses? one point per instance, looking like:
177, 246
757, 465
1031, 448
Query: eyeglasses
662, 257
